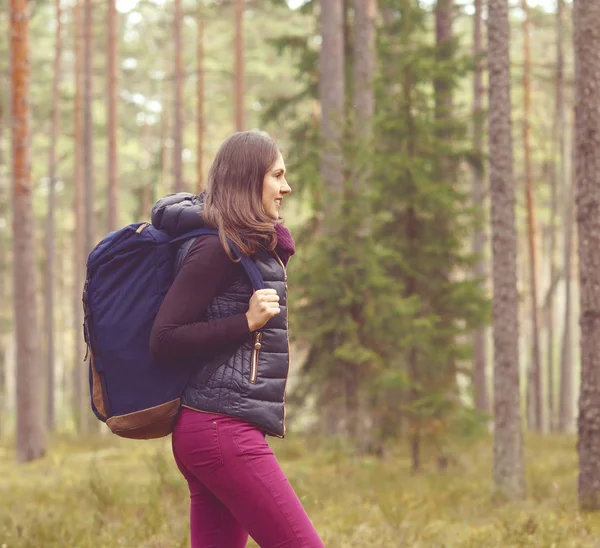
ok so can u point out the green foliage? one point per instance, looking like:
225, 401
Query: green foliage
131, 494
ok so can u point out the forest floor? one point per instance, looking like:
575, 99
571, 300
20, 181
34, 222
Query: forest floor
117, 493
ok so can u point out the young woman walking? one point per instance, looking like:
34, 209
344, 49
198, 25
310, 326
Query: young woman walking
237, 340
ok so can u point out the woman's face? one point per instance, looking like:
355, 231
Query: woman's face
275, 187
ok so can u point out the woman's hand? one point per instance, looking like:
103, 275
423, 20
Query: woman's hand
264, 304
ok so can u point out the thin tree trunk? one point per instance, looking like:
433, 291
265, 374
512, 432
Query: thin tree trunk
4, 198
586, 25
88, 150
200, 98
558, 180
31, 431
239, 65
50, 236
78, 208
536, 373
508, 443
364, 65
566, 400
112, 114
178, 98
482, 402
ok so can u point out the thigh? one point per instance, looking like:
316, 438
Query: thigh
212, 525
256, 491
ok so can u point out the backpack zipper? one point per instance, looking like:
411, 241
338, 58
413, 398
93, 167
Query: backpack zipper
255, 354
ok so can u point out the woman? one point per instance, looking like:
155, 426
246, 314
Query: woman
239, 342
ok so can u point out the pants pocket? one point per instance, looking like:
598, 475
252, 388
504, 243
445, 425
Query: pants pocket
198, 449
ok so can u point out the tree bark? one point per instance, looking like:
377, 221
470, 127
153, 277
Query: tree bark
364, 65
586, 25
4, 200
88, 148
536, 359
78, 208
50, 229
508, 444
178, 98
112, 114
239, 65
558, 180
332, 95
31, 431
482, 402
200, 98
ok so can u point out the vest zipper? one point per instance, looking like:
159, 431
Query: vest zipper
287, 332
255, 354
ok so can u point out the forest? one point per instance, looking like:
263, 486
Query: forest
444, 298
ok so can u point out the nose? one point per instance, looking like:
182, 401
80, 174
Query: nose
286, 188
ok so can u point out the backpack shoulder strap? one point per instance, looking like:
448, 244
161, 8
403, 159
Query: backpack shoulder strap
247, 263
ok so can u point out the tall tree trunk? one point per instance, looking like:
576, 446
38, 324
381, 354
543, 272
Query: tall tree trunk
112, 103
508, 437
332, 94
50, 236
586, 24
78, 208
4, 199
566, 401
365, 57
536, 373
239, 65
88, 149
178, 98
200, 98
31, 431
558, 180
364, 65
482, 402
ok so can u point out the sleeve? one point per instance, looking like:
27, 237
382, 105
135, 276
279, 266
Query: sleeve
177, 334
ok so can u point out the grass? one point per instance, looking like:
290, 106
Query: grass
112, 492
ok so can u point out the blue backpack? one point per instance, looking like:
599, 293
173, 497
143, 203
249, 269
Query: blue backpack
128, 276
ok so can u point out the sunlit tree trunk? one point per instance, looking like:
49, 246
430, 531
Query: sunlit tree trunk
178, 98
31, 431
112, 98
50, 229
536, 359
4, 200
239, 65
508, 443
78, 378
586, 26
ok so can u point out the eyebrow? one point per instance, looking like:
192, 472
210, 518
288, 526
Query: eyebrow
279, 169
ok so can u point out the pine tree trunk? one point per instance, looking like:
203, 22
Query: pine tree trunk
566, 399
178, 98
586, 25
31, 431
482, 402
88, 148
239, 65
332, 94
364, 65
508, 443
49, 236
536, 373
200, 98
4, 199
112, 114
78, 208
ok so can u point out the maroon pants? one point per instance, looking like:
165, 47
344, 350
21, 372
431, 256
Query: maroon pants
236, 486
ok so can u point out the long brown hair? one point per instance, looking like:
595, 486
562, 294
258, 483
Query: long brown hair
233, 202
